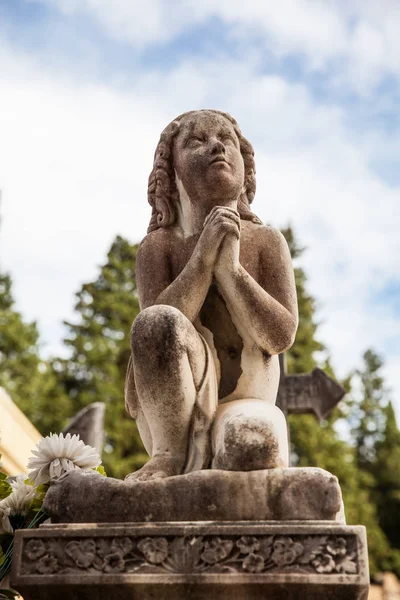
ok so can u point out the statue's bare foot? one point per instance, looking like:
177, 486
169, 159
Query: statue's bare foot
158, 467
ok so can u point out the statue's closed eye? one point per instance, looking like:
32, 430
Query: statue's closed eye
197, 139
226, 138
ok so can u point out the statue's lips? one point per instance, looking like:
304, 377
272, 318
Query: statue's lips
219, 159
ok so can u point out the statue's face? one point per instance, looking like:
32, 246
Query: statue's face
207, 158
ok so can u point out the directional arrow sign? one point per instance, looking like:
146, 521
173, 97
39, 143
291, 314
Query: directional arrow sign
314, 392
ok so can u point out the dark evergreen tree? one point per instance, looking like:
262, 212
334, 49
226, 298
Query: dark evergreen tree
300, 358
386, 469
368, 414
100, 347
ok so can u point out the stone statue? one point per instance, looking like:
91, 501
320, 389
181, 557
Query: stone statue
218, 304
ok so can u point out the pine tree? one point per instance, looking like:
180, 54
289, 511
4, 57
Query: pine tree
28, 379
386, 469
309, 439
377, 442
369, 413
100, 345
300, 358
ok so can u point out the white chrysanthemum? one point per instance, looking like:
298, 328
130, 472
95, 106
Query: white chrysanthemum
20, 499
56, 455
5, 525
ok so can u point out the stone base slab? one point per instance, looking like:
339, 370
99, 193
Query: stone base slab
192, 561
210, 495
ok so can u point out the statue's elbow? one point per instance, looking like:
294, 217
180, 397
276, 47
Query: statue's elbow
284, 338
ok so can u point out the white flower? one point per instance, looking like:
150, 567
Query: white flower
5, 525
56, 455
20, 499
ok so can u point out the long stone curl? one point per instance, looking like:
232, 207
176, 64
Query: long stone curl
162, 193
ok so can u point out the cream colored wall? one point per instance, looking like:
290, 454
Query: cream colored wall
17, 436
389, 590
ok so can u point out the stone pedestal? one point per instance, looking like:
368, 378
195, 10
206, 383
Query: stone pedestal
210, 495
276, 534
192, 561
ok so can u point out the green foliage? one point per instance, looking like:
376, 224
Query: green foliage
100, 345
28, 379
300, 358
37, 502
5, 487
386, 469
369, 413
101, 470
8, 594
319, 445
377, 443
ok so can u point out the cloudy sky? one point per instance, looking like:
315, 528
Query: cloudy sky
87, 85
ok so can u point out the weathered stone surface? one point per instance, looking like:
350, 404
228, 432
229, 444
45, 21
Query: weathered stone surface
282, 494
242, 561
314, 392
218, 304
88, 423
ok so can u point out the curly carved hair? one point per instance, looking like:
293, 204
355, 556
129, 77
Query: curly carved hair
162, 192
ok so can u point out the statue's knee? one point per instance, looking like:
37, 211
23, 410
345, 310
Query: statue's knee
249, 443
156, 329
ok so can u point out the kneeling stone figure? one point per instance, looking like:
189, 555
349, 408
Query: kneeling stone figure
218, 304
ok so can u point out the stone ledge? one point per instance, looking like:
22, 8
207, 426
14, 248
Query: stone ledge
210, 495
178, 561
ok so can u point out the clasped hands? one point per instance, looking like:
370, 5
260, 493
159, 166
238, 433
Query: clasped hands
219, 242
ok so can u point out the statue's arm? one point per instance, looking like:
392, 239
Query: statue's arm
154, 277
188, 291
266, 310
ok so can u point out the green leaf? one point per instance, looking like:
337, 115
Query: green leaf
28, 481
42, 490
6, 594
5, 489
101, 470
36, 504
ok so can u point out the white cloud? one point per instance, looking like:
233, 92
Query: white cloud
130, 21
355, 43
391, 373
74, 161
73, 166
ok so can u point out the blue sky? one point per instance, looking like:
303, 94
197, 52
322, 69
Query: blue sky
87, 85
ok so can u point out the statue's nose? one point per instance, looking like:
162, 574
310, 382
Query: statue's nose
217, 147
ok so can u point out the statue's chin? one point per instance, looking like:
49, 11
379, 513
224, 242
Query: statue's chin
223, 183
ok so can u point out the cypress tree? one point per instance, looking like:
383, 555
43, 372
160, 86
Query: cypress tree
100, 350
369, 413
386, 469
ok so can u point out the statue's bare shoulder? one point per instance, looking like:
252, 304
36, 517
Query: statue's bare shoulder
275, 270
153, 262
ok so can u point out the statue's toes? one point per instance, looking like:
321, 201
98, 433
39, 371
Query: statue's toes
147, 475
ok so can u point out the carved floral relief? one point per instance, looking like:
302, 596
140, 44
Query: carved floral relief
193, 554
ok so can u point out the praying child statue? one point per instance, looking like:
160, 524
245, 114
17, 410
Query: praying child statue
218, 304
